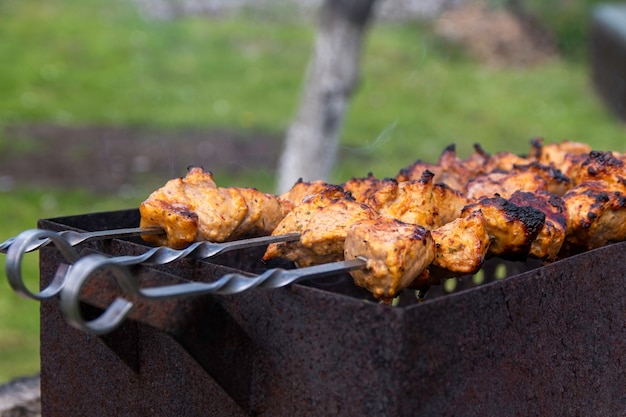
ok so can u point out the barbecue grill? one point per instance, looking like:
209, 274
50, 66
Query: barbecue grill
544, 340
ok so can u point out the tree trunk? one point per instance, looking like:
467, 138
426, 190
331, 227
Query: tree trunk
312, 139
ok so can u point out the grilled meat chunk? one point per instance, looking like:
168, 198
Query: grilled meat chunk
551, 236
396, 254
558, 154
449, 170
194, 209
556, 182
323, 221
414, 171
602, 166
504, 161
419, 202
299, 192
461, 247
362, 188
511, 228
264, 213
566, 156
532, 177
504, 184
596, 215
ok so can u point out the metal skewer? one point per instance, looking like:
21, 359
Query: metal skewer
75, 238
117, 312
25, 241
200, 250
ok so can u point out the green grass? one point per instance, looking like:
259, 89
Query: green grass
100, 62
19, 318
418, 96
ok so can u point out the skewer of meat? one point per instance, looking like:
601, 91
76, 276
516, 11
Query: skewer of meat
459, 231
195, 208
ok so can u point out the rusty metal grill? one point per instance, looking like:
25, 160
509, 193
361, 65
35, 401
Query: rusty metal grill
547, 341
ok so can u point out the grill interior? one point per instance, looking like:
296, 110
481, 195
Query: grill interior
546, 340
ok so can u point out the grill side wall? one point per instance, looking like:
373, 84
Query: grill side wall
546, 342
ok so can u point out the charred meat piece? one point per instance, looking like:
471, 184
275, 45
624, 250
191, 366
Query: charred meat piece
602, 166
396, 254
299, 192
566, 156
560, 154
504, 161
449, 170
452, 171
511, 228
194, 209
362, 188
263, 215
556, 182
504, 184
417, 168
191, 209
323, 221
596, 215
550, 238
477, 161
461, 247
530, 177
419, 202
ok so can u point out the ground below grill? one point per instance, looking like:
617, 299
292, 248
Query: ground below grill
21, 398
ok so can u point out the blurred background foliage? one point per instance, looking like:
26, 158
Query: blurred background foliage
568, 20
107, 63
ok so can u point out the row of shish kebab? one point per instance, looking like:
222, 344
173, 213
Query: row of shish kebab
71, 277
158, 228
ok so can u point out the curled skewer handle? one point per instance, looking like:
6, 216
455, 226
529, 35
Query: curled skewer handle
233, 283
77, 276
33, 239
20, 247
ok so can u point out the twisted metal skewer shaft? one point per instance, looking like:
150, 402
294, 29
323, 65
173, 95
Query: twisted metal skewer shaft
199, 250
117, 312
161, 255
74, 238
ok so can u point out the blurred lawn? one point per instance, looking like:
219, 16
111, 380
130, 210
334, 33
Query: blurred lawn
19, 318
100, 62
